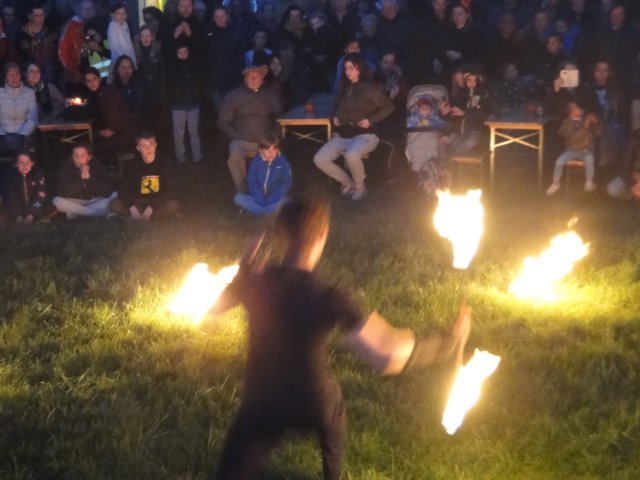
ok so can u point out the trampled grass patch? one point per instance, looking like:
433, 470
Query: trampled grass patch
98, 380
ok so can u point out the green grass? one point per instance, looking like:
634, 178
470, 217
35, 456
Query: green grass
98, 381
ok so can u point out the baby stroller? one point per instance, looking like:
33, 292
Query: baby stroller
424, 151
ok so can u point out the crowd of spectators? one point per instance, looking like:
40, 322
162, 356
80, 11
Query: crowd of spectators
248, 66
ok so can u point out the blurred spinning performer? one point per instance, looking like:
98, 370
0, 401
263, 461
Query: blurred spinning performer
291, 313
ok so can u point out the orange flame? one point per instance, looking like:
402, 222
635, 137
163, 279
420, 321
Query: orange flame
466, 388
459, 219
200, 291
540, 274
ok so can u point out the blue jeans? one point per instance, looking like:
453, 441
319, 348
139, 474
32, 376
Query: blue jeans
585, 155
246, 201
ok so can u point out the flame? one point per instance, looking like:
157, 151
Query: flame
540, 274
458, 218
201, 290
465, 391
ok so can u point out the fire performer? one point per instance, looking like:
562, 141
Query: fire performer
291, 313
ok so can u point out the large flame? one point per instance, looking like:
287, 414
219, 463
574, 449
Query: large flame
465, 391
200, 291
459, 219
540, 274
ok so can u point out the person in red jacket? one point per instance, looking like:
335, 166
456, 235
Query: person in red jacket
72, 42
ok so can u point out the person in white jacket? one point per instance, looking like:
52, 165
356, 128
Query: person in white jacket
120, 42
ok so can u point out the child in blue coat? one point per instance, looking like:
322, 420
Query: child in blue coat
269, 179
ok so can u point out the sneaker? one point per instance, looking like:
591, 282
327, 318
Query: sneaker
555, 186
589, 186
358, 193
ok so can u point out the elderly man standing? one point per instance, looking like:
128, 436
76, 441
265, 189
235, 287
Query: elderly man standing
248, 114
18, 111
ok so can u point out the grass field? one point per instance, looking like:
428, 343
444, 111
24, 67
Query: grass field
97, 381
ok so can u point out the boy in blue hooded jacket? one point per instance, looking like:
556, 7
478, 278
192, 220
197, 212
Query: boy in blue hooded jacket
269, 179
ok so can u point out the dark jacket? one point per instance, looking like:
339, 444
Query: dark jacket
225, 58
148, 181
183, 82
71, 185
269, 182
25, 194
359, 101
109, 111
249, 115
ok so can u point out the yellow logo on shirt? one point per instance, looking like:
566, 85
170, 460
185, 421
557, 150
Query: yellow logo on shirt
149, 185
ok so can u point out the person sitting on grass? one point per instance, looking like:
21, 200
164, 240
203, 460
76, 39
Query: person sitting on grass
84, 188
269, 179
579, 131
291, 313
25, 192
148, 190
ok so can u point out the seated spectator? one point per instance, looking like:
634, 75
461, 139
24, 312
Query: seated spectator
37, 43
148, 189
579, 131
427, 135
83, 186
352, 45
112, 121
119, 35
467, 113
551, 60
25, 192
361, 104
259, 44
513, 90
292, 75
49, 99
247, 116
184, 86
125, 80
601, 94
390, 76
18, 111
269, 179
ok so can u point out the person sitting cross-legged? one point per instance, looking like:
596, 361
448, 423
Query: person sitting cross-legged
148, 190
269, 180
25, 191
83, 186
